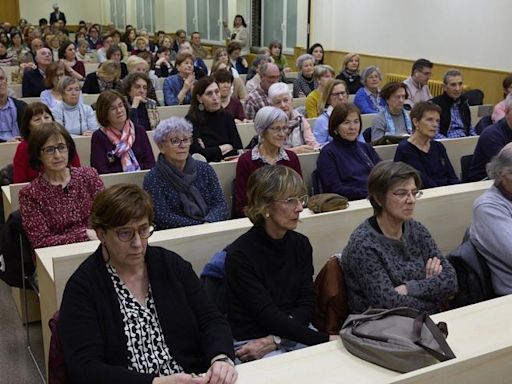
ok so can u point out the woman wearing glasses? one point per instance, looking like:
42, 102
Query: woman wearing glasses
132, 313
391, 260
271, 126
185, 191
344, 164
119, 145
55, 207
334, 94
269, 270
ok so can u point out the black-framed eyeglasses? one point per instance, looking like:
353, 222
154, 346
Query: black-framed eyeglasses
50, 150
402, 194
294, 202
127, 234
175, 142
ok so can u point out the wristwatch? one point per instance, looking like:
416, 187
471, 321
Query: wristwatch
223, 358
277, 341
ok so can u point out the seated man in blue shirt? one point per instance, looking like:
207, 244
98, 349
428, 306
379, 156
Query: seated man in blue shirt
455, 115
11, 111
490, 142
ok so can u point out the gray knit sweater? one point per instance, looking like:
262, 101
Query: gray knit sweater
374, 265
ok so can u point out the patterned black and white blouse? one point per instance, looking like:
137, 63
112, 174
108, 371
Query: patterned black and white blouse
147, 350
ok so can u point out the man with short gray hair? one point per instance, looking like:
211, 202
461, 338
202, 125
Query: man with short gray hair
33, 80
258, 98
490, 142
455, 116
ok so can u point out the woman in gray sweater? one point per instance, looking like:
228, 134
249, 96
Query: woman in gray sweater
391, 260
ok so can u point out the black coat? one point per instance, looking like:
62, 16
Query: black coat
446, 102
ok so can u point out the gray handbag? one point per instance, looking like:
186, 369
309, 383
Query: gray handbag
401, 339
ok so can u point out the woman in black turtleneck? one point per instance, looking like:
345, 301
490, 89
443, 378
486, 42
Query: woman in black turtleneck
344, 164
215, 135
350, 73
269, 270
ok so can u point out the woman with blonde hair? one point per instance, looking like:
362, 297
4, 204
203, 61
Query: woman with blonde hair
51, 96
105, 78
350, 73
322, 74
334, 94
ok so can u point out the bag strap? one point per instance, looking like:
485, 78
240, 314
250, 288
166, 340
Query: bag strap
447, 353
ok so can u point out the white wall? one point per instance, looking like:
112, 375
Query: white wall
75, 10
473, 33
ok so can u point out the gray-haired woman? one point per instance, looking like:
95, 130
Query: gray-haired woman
185, 191
271, 125
78, 118
367, 98
305, 82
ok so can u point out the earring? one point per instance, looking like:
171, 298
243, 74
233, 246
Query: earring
200, 107
267, 215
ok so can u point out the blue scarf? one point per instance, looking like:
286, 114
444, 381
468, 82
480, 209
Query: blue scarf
391, 130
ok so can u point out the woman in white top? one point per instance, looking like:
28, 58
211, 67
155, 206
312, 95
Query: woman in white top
78, 118
240, 34
51, 96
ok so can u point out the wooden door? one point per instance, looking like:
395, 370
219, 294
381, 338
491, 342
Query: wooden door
10, 11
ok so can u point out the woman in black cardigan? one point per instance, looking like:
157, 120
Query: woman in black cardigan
132, 313
105, 78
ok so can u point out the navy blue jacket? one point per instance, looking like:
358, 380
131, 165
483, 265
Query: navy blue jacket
490, 142
32, 84
435, 166
343, 167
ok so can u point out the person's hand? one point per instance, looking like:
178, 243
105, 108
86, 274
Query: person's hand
221, 372
433, 267
87, 133
225, 148
334, 337
245, 63
66, 65
137, 100
401, 290
161, 61
189, 81
231, 158
256, 349
180, 378
91, 234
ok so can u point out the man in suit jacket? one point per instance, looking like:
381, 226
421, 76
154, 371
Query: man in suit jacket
56, 15
33, 84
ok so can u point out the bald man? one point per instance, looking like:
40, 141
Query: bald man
33, 80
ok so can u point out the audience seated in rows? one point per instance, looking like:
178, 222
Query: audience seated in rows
271, 126
119, 145
455, 114
105, 78
237, 88
344, 163
184, 191
215, 134
300, 138
253, 82
421, 151
269, 270
491, 228
236, 59
200, 68
391, 260
334, 94
368, 98
490, 142
258, 98
143, 109
394, 120
144, 305
77, 117
417, 83
322, 75
11, 112
35, 114
350, 73
305, 82
499, 109
55, 206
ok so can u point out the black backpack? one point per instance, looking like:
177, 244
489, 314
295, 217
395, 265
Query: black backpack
473, 276
12, 241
